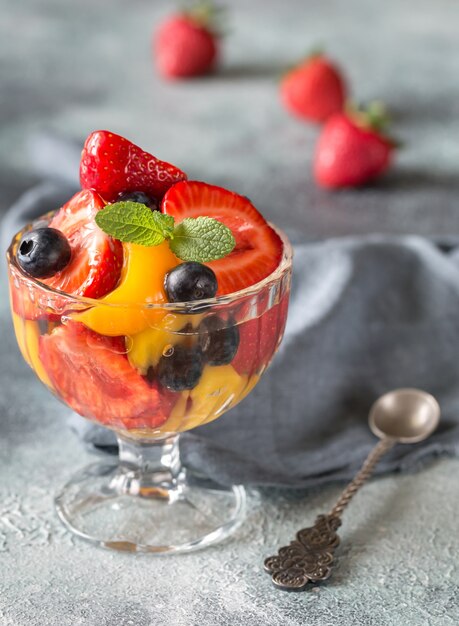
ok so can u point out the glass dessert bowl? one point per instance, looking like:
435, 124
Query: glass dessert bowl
134, 385
135, 358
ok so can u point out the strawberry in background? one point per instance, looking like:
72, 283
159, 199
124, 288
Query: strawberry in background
187, 43
353, 148
314, 90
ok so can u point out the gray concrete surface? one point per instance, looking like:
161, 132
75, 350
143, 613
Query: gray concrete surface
70, 67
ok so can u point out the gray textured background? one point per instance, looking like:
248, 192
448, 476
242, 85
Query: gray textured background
70, 67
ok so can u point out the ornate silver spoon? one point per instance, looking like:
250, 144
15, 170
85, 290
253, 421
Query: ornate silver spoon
400, 416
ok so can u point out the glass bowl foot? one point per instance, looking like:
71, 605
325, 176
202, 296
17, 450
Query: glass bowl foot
116, 507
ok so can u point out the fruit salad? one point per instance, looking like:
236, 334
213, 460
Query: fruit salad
148, 303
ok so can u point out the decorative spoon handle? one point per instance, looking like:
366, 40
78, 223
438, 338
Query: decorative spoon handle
309, 558
362, 475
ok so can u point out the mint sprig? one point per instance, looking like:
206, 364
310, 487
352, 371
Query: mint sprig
200, 239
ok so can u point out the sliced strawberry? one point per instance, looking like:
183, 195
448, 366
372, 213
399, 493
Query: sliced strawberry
258, 248
110, 164
31, 302
259, 339
247, 358
92, 375
94, 268
96, 262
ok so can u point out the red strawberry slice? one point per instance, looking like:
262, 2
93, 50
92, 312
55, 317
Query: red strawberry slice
110, 164
31, 302
93, 271
258, 248
96, 261
247, 357
259, 339
92, 375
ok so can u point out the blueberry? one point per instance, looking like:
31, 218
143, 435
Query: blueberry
139, 196
219, 340
180, 368
190, 281
150, 376
43, 252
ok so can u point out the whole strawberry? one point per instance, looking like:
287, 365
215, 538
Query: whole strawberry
187, 43
353, 149
314, 90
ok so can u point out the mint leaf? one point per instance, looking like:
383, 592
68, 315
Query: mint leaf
134, 222
201, 239
164, 223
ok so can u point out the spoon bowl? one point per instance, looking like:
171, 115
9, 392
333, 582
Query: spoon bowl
404, 415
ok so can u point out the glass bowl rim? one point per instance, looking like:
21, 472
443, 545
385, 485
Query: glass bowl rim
284, 265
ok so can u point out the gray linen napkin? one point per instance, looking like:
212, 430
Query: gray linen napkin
367, 314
